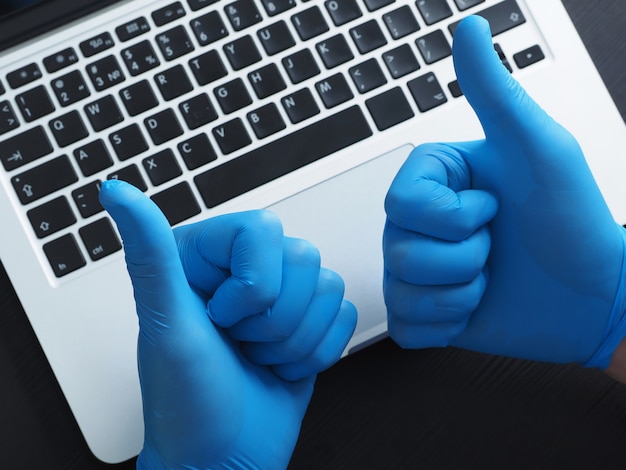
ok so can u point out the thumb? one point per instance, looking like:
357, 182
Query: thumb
530, 144
152, 256
497, 98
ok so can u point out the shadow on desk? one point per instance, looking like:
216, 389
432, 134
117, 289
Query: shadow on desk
387, 408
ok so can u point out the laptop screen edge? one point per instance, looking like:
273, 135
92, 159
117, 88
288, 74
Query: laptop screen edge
29, 22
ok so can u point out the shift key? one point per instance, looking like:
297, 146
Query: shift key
44, 179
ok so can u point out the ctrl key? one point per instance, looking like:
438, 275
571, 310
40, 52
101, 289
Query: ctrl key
100, 239
64, 255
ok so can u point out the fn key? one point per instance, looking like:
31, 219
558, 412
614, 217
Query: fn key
64, 255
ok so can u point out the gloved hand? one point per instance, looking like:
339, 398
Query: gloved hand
504, 245
235, 320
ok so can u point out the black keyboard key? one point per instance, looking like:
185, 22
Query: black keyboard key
197, 151
173, 82
68, 129
163, 126
528, 56
401, 22
128, 142
100, 239
70, 88
87, 199
465, 4
103, 113
168, 14
242, 52
138, 98
300, 66
24, 75
367, 76
8, 119
208, 67
334, 90
177, 203
60, 60
389, 108
231, 136
161, 167
44, 179
242, 14
433, 11
502, 17
455, 89
24, 148
232, 96
51, 217
434, 46
139, 58
427, 92
64, 255
309, 23
275, 7
198, 111
209, 28
502, 57
368, 36
97, 44
342, 12
174, 43
377, 4
196, 5
132, 29
34, 103
282, 156
267, 81
266, 120
131, 175
300, 105
276, 38
93, 157
401, 61
334, 51
105, 73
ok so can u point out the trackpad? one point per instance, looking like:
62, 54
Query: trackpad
344, 217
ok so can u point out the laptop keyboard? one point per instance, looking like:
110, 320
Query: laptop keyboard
312, 78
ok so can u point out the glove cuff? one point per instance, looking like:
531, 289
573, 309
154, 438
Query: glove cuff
616, 328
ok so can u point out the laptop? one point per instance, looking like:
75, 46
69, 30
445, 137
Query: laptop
307, 108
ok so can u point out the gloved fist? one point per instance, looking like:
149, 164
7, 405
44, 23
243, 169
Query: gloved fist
235, 321
504, 245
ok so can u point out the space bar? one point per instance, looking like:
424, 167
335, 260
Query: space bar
282, 156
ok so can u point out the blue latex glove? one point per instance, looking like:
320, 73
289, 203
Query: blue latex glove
234, 395
505, 245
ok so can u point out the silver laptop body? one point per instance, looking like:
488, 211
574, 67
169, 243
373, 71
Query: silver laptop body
183, 99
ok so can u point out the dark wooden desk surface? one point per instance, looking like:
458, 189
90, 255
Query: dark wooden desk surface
384, 408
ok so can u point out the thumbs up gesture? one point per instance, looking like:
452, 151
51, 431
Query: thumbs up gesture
235, 321
503, 245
